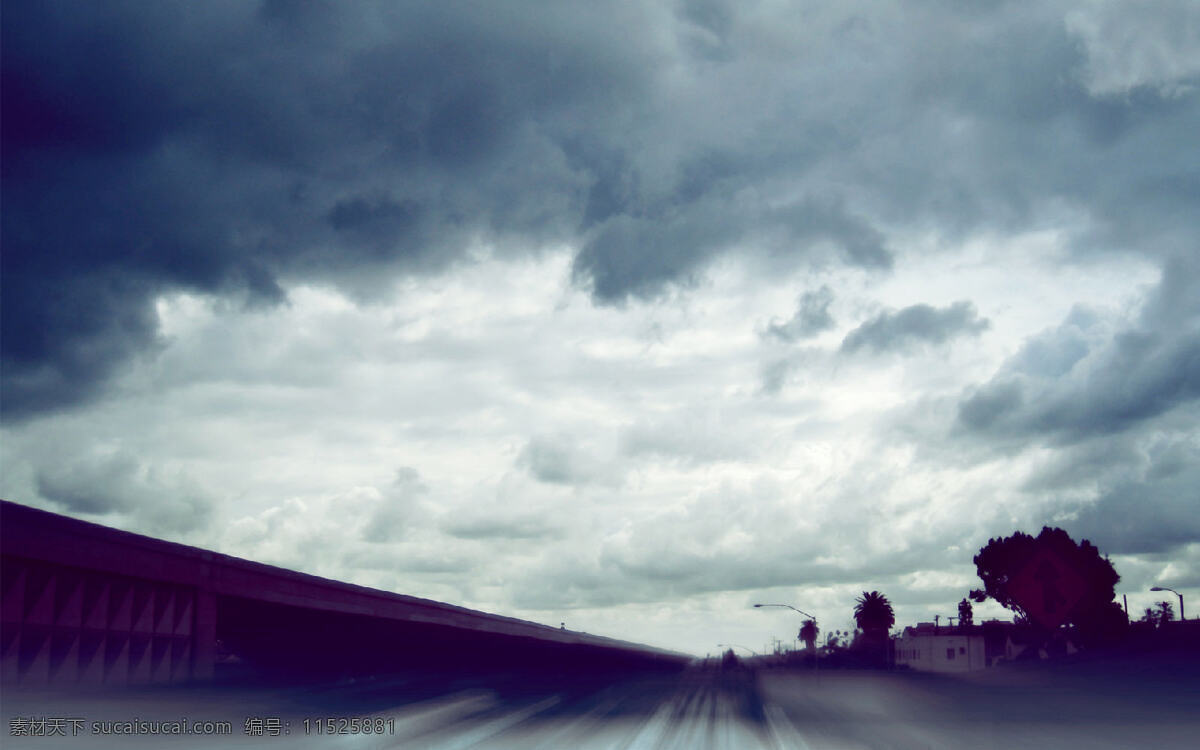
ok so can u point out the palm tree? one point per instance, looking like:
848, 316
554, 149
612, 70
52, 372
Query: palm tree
808, 634
966, 614
873, 613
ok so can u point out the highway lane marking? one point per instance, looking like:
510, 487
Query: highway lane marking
781, 730
489, 730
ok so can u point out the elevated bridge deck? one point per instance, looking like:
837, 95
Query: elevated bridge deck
84, 603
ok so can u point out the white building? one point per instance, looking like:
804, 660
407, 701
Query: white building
939, 649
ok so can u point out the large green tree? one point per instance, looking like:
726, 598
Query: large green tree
1097, 617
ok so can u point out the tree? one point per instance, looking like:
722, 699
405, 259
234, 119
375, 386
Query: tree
966, 614
873, 613
1097, 617
729, 660
808, 634
1157, 617
1166, 612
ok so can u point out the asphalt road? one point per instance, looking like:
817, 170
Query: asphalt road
1131, 703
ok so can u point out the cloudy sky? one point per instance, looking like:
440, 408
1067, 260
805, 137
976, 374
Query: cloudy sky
625, 315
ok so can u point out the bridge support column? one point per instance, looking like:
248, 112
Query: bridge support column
204, 644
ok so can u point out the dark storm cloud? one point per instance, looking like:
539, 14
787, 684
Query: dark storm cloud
1072, 384
229, 148
915, 325
811, 317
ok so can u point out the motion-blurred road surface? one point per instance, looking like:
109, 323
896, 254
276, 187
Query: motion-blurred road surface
1128, 703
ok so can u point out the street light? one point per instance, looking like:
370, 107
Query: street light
791, 608
1176, 593
816, 657
737, 645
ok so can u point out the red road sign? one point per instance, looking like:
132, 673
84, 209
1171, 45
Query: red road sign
1048, 588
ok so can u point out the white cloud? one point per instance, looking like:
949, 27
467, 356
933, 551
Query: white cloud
460, 441
557, 334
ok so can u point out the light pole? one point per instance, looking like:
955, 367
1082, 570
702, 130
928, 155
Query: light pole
1176, 593
737, 645
816, 657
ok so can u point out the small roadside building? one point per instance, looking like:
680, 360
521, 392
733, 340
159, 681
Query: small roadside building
930, 648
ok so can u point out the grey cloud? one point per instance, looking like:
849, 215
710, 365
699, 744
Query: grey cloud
409, 560
1175, 302
66, 350
399, 509
561, 459
811, 317
378, 222
861, 243
569, 577
706, 27
1150, 510
135, 164
774, 375
640, 256
1085, 465
669, 570
548, 462
1127, 49
118, 484
737, 539
501, 527
918, 324
688, 437
254, 147
991, 403
1055, 353
1069, 386
1118, 404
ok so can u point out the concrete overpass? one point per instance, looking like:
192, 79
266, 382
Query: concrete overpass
84, 603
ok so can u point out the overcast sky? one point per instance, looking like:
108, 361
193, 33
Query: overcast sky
624, 315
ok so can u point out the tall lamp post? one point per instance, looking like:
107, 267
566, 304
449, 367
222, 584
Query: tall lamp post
816, 657
1173, 591
732, 646
737, 645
